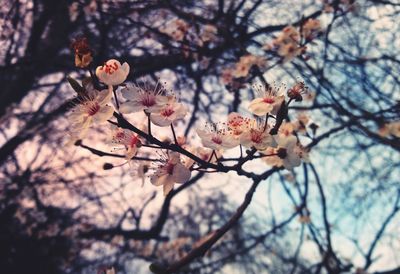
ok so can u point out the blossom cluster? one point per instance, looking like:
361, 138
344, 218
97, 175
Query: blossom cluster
282, 149
291, 42
275, 142
343, 5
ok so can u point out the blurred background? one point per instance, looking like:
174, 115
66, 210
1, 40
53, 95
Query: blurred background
62, 212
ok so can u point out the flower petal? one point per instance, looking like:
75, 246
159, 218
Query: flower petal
168, 186
259, 108
159, 178
130, 107
181, 174
104, 113
160, 120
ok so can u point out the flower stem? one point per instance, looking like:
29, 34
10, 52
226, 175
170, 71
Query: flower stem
173, 133
149, 123
266, 121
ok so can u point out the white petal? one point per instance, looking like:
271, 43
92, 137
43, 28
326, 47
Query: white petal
125, 68
159, 178
210, 144
130, 92
259, 108
104, 113
161, 100
203, 134
229, 142
160, 120
174, 157
130, 107
104, 96
168, 186
181, 174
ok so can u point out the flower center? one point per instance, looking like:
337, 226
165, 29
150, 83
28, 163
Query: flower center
167, 112
133, 141
120, 135
256, 136
269, 100
93, 109
217, 140
110, 68
205, 156
282, 153
148, 101
169, 168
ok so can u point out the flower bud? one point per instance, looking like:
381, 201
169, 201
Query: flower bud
108, 166
282, 153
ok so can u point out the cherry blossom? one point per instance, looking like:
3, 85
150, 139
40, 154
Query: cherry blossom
257, 136
169, 113
311, 29
286, 129
269, 100
215, 137
170, 171
300, 124
93, 108
289, 152
143, 98
296, 92
245, 63
287, 43
128, 139
112, 73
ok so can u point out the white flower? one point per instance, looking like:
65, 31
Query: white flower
143, 98
92, 109
169, 172
169, 113
128, 139
112, 73
269, 100
215, 138
288, 154
257, 136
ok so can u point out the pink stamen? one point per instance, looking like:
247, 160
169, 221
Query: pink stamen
149, 101
110, 69
120, 135
256, 137
269, 100
169, 168
134, 141
217, 140
93, 109
167, 112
